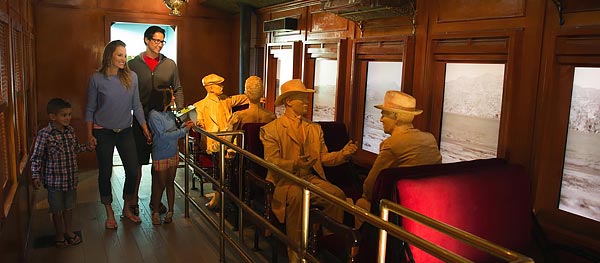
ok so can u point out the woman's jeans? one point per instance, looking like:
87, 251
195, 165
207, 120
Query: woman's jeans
107, 139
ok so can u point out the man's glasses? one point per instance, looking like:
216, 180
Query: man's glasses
158, 41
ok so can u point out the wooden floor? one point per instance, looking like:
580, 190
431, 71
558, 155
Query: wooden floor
184, 240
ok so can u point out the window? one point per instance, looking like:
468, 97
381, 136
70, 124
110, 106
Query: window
381, 77
579, 193
285, 64
325, 89
472, 107
324, 71
133, 35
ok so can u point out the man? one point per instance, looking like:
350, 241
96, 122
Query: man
153, 70
213, 114
407, 146
254, 90
296, 145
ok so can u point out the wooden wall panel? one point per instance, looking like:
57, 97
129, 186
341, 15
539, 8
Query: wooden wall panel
200, 56
572, 6
323, 25
4, 6
469, 10
81, 32
73, 3
153, 6
15, 24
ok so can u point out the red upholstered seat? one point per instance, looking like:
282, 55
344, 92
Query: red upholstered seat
492, 202
488, 198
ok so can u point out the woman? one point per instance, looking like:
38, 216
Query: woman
112, 95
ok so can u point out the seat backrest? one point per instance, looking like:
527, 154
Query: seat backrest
385, 182
254, 145
487, 198
334, 134
343, 176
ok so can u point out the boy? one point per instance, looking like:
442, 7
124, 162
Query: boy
54, 164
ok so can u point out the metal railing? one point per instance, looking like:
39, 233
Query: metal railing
308, 189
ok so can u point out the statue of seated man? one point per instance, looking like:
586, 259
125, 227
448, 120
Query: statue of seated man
296, 145
407, 145
254, 90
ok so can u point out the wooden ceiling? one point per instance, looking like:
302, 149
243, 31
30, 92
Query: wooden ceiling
233, 6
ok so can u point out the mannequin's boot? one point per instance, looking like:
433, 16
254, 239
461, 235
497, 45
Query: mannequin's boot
214, 202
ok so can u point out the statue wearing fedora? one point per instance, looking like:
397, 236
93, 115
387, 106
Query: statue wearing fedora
296, 145
407, 146
213, 114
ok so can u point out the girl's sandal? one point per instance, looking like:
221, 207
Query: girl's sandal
73, 240
61, 243
110, 224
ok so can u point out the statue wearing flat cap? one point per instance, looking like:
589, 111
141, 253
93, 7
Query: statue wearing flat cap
407, 146
296, 145
214, 111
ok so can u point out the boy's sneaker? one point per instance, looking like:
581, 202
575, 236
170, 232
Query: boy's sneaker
156, 219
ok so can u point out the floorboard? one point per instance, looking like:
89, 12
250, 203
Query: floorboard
184, 240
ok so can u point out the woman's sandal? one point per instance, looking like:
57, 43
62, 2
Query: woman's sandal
131, 217
73, 240
110, 224
168, 217
135, 209
61, 243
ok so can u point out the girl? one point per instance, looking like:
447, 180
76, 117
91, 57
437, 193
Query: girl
165, 134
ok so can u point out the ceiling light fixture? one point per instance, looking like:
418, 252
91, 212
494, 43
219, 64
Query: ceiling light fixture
174, 6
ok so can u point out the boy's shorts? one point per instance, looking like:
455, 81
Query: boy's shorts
164, 164
61, 200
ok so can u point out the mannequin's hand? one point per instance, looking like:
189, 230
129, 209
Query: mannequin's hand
349, 149
305, 162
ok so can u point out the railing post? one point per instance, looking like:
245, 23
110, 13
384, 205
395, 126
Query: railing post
222, 191
186, 160
240, 187
305, 216
383, 236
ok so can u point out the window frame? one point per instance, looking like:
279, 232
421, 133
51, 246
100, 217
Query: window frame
573, 47
394, 49
273, 52
494, 47
326, 49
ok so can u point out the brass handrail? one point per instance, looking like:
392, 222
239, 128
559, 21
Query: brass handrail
359, 212
503, 253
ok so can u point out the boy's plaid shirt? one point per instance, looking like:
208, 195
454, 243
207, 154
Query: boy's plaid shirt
54, 158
